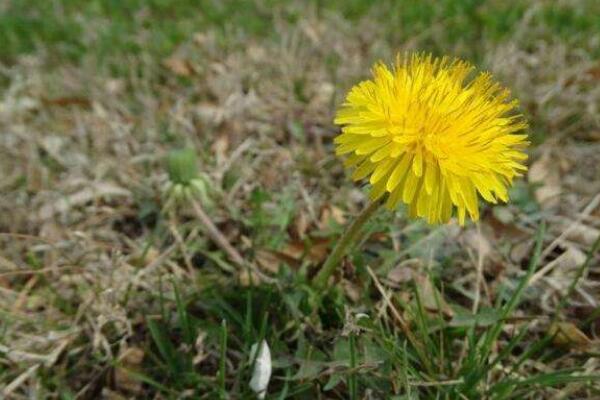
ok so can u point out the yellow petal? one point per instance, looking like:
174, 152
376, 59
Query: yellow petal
410, 187
398, 173
417, 165
381, 170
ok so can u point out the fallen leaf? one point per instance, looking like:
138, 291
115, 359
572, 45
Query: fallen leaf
144, 257
594, 72
545, 172
293, 250
351, 290
324, 93
319, 249
12, 106
130, 360
562, 267
330, 212
178, 66
316, 250
379, 237
400, 274
220, 147
293, 254
247, 278
300, 225
580, 233
94, 191
199, 346
268, 260
210, 113
108, 394
521, 250
569, 260
115, 86
566, 334
478, 243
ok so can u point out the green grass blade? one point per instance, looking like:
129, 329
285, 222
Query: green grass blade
223, 360
165, 347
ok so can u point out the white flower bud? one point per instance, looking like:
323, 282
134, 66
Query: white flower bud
262, 369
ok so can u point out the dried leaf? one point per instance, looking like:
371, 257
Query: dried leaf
108, 394
480, 245
545, 172
268, 260
316, 251
400, 274
561, 267
144, 257
199, 346
220, 147
248, 278
115, 86
319, 249
129, 360
97, 190
580, 233
300, 225
566, 334
594, 72
210, 113
351, 290
178, 66
328, 213
569, 260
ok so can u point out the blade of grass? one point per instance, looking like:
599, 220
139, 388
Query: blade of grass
222, 360
548, 379
580, 272
286, 385
516, 297
188, 332
165, 347
151, 382
352, 384
480, 366
541, 344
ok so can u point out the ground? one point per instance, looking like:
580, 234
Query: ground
107, 293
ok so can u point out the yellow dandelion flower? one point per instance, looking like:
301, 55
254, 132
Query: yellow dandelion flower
431, 138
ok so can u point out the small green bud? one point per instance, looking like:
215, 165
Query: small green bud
182, 166
178, 192
200, 188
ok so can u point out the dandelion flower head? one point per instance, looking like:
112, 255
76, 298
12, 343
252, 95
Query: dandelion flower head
432, 138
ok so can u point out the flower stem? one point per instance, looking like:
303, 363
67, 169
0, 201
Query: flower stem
215, 234
341, 247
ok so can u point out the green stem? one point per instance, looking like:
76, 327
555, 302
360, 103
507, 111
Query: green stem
341, 247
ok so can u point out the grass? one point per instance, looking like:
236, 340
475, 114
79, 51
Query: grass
372, 356
105, 293
111, 30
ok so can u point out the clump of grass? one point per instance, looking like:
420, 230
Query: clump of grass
470, 355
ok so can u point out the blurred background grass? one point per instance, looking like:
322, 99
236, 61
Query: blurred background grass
111, 29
